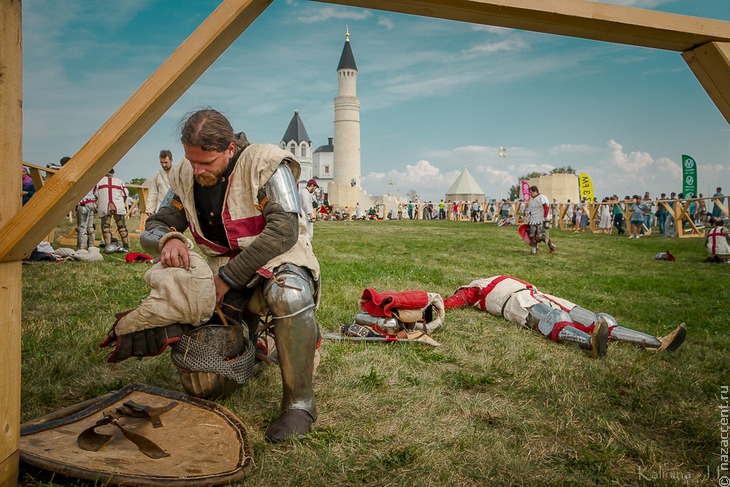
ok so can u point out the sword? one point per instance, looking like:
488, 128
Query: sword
339, 336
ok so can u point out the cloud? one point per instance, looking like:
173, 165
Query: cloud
629, 162
492, 29
423, 177
507, 45
386, 22
312, 15
574, 149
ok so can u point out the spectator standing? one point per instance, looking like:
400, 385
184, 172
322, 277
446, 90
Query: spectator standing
160, 183
649, 214
584, 218
618, 215
605, 212
442, 210
637, 209
28, 186
555, 213
308, 213
716, 210
661, 214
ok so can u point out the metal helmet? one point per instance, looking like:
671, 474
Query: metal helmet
112, 248
212, 360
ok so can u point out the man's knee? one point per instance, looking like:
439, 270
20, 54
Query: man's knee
290, 292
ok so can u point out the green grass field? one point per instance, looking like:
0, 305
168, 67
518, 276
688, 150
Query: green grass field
493, 405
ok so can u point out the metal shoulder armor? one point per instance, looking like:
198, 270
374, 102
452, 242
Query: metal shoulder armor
282, 190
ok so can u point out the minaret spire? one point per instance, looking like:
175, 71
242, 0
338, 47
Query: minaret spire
347, 33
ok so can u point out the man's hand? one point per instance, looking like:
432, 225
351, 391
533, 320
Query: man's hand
175, 254
221, 288
546, 224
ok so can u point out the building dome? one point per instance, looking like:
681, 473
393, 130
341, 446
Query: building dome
328, 147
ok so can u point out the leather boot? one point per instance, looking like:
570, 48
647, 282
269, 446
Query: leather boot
672, 341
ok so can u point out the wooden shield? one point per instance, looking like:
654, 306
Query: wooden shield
205, 443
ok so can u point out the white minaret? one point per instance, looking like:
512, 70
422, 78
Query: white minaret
347, 121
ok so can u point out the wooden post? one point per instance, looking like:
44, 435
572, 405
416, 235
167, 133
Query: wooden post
11, 114
710, 63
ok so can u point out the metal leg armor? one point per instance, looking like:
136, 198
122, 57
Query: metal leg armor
632, 336
122, 229
106, 230
289, 296
548, 320
82, 236
583, 316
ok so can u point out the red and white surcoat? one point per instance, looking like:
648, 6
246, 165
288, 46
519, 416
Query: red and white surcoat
111, 196
717, 241
509, 297
242, 218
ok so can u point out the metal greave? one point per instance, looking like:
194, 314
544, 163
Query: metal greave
582, 316
573, 335
632, 336
290, 298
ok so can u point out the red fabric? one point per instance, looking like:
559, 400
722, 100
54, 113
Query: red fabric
546, 208
462, 297
137, 257
562, 324
382, 304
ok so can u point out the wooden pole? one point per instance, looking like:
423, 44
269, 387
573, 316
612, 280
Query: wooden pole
574, 18
107, 146
704, 43
11, 114
710, 63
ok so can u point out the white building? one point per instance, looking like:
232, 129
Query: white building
323, 164
296, 140
465, 188
345, 189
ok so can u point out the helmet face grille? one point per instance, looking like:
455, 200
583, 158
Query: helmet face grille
215, 351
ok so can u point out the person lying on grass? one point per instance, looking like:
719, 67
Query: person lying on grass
560, 320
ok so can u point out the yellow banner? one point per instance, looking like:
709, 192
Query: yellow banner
586, 187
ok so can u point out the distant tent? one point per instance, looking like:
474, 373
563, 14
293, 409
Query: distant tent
465, 188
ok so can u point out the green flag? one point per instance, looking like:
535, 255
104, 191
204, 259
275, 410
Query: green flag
689, 176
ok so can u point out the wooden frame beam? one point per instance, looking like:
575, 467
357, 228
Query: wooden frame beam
112, 141
574, 18
11, 131
705, 43
710, 63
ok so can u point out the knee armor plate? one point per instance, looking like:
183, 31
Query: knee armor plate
290, 292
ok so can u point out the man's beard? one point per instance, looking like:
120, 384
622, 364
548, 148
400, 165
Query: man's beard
206, 179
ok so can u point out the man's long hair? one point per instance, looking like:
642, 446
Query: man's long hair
208, 129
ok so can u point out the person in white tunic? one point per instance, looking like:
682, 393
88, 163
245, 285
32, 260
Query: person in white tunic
160, 183
538, 218
308, 213
111, 196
